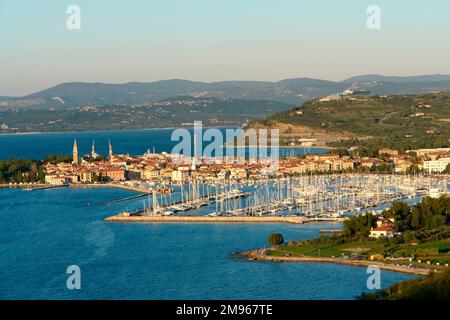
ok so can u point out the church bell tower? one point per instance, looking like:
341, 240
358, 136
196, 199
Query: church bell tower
75, 158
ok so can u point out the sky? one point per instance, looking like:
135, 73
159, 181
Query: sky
215, 40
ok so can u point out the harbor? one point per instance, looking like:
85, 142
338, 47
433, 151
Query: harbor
312, 197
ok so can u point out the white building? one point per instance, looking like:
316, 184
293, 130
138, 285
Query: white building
385, 228
382, 232
438, 165
55, 179
426, 152
180, 175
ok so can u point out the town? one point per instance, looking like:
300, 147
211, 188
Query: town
164, 168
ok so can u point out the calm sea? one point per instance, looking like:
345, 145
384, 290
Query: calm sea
134, 142
43, 232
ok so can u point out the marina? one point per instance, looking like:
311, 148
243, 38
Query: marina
331, 197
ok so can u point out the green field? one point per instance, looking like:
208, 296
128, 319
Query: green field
435, 252
329, 250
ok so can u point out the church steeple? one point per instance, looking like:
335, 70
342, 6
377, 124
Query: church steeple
94, 154
75, 157
110, 149
194, 158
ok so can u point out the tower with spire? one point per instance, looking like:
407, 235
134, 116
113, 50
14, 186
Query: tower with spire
94, 154
194, 158
110, 149
75, 157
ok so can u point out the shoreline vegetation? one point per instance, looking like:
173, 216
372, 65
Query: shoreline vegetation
108, 130
177, 112
257, 255
435, 286
418, 241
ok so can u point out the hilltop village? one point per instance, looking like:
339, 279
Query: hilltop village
163, 167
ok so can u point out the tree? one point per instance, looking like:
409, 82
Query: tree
275, 239
401, 212
437, 221
415, 219
57, 159
357, 226
447, 169
95, 178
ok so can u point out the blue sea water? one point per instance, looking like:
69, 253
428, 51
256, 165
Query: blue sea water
134, 142
43, 232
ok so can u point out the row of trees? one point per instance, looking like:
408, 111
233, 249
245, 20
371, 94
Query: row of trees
421, 221
429, 214
58, 159
370, 147
16, 171
23, 170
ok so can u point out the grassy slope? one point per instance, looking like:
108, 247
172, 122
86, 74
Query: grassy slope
425, 251
380, 117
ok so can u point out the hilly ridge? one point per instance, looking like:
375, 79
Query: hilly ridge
292, 91
171, 112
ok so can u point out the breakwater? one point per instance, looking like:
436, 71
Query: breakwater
111, 185
207, 219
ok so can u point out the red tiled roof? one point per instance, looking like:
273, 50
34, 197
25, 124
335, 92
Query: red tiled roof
383, 228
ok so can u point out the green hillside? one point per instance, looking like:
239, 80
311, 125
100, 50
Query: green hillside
402, 122
174, 112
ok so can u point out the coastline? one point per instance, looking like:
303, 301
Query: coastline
287, 147
107, 130
41, 186
154, 129
257, 256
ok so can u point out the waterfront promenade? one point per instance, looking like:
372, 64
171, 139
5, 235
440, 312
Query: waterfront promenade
422, 271
111, 185
41, 186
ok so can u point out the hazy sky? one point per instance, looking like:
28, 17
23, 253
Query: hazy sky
214, 40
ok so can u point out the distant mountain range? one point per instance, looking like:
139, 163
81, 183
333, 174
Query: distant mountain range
292, 91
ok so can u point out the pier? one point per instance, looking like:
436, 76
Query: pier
126, 199
111, 185
330, 231
30, 186
207, 219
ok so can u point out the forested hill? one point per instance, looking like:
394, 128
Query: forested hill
173, 112
403, 122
